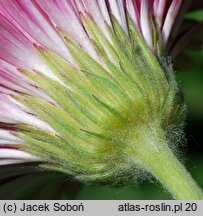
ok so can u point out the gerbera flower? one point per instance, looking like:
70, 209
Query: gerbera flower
86, 89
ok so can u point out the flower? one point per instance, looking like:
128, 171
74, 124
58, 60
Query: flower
86, 90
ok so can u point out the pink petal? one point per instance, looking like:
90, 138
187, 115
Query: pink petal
170, 19
91, 8
63, 16
12, 79
160, 7
31, 21
4, 162
13, 112
13, 156
6, 137
145, 22
18, 50
132, 12
137, 8
105, 13
117, 10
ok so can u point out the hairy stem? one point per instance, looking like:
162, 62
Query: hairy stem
173, 175
155, 156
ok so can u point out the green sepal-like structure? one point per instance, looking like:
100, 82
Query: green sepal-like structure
110, 118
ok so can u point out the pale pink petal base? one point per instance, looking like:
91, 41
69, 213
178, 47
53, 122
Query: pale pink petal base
13, 156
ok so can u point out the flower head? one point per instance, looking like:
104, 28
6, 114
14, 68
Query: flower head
84, 88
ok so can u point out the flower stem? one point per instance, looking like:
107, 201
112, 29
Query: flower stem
173, 175
167, 169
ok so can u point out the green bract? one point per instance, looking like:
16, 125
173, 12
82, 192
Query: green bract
109, 121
